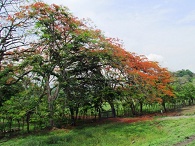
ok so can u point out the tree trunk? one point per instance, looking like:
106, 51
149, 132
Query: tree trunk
99, 113
141, 107
77, 112
113, 109
189, 101
1, 58
51, 98
73, 122
132, 106
28, 121
95, 114
18, 123
51, 114
23, 120
10, 124
4, 125
164, 106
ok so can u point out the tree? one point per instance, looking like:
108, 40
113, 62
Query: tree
69, 61
23, 104
184, 92
71, 53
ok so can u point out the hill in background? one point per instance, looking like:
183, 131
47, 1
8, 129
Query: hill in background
184, 76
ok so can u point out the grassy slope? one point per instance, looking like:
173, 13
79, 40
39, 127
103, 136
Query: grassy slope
150, 133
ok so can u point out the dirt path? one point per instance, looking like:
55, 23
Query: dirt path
131, 120
189, 110
176, 117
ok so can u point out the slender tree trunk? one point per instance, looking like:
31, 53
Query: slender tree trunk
1, 58
77, 112
141, 107
3, 125
113, 109
3, 128
28, 121
73, 122
164, 106
99, 113
18, 123
132, 106
23, 120
95, 113
51, 114
10, 124
189, 101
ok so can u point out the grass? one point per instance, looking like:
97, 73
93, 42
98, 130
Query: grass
150, 133
192, 143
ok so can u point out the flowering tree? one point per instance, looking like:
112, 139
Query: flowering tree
67, 57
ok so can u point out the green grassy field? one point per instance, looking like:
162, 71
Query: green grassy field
148, 133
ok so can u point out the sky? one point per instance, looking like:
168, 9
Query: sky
162, 30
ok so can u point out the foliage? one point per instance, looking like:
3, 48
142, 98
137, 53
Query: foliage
183, 72
70, 68
183, 86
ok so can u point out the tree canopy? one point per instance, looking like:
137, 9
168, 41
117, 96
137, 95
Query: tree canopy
62, 66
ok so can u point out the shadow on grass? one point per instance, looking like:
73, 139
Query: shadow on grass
92, 129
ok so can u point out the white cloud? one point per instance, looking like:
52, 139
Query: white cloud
155, 57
